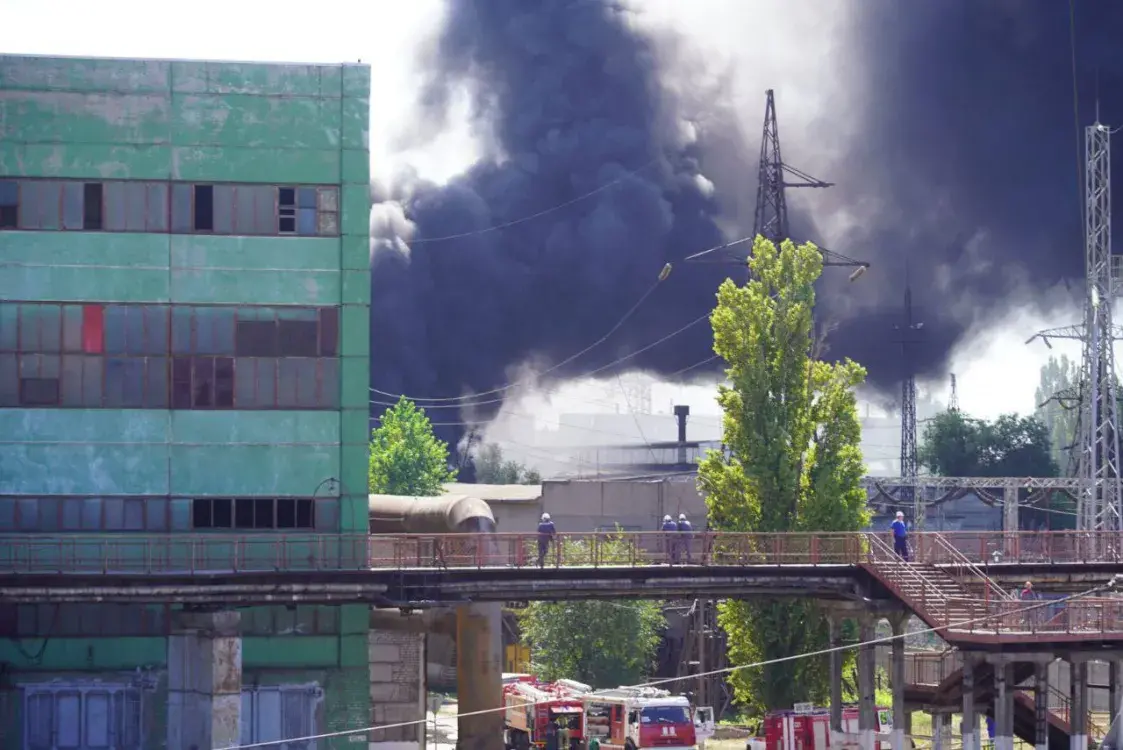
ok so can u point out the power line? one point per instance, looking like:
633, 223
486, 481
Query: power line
530, 381
725, 670
536, 215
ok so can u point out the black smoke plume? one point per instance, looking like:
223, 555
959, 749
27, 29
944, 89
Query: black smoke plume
968, 157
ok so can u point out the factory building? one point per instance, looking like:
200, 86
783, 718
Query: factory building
184, 350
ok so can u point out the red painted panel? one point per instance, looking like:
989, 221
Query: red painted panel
93, 329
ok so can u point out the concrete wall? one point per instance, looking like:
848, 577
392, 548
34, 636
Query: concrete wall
639, 505
192, 122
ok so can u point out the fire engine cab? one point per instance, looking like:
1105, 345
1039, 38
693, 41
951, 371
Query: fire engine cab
539, 713
635, 718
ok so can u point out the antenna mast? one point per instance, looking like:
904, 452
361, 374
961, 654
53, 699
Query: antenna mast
1095, 456
953, 401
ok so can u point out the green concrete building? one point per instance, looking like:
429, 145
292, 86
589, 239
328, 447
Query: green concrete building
184, 349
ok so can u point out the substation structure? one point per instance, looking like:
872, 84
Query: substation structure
1001, 640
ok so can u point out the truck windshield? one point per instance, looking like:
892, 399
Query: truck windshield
664, 715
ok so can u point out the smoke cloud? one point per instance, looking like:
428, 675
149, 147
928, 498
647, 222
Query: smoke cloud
962, 158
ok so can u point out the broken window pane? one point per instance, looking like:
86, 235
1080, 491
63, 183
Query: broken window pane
328, 223
92, 205
73, 212
204, 208
298, 338
256, 338
329, 199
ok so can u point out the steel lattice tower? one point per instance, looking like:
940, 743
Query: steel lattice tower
908, 395
1095, 457
771, 217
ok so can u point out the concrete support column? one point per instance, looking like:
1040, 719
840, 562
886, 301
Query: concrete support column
969, 727
1115, 687
1078, 706
897, 680
867, 674
836, 671
204, 681
1041, 707
1003, 704
941, 728
479, 675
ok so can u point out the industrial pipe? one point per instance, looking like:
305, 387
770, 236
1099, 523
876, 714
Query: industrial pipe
443, 514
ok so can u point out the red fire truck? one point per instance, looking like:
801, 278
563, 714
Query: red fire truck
538, 709
808, 727
635, 718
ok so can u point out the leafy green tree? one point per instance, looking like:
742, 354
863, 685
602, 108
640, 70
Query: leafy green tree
956, 445
602, 643
491, 468
791, 428
406, 458
1058, 375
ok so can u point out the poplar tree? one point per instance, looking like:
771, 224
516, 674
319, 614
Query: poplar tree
794, 462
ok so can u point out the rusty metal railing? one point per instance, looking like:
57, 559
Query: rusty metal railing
205, 551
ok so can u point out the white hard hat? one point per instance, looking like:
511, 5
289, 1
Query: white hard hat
545, 516
666, 518
682, 516
900, 514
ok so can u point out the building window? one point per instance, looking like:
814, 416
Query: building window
249, 513
278, 713
81, 715
9, 204
140, 206
62, 513
116, 356
307, 211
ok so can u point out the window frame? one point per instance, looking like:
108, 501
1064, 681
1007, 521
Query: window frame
323, 208
95, 343
114, 691
241, 507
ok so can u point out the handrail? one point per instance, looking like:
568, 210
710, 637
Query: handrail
879, 545
1064, 710
993, 589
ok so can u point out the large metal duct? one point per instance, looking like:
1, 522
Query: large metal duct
400, 514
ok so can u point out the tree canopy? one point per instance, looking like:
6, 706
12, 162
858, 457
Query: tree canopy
1058, 375
602, 643
406, 458
956, 445
492, 468
792, 432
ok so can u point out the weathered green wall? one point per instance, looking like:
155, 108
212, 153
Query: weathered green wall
196, 121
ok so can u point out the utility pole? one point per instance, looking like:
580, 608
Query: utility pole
1095, 456
770, 219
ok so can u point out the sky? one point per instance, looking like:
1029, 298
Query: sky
996, 370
